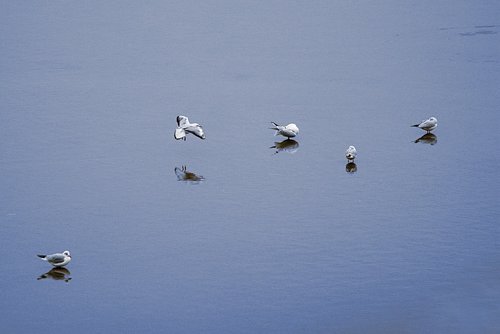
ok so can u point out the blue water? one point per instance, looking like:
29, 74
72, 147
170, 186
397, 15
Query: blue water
267, 242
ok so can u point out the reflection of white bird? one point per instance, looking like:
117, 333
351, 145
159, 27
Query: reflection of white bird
57, 274
184, 127
351, 167
184, 175
287, 145
58, 259
289, 131
427, 125
351, 153
428, 138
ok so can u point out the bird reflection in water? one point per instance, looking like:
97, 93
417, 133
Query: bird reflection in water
288, 145
57, 274
428, 138
351, 167
184, 175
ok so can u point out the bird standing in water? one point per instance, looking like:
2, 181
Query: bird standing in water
289, 131
57, 259
351, 153
427, 125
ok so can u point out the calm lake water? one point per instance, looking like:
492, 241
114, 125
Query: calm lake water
270, 241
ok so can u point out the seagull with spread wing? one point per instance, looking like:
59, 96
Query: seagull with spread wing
184, 127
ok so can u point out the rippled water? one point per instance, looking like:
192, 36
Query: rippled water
266, 235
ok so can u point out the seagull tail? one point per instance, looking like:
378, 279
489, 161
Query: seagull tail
275, 126
43, 257
415, 125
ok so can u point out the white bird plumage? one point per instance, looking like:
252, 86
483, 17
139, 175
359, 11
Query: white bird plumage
57, 259
289, 131
427, 125
351, 153
184, 127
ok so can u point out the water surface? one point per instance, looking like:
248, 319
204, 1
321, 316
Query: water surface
276, 238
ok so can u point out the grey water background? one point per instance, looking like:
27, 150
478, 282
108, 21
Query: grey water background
266, 243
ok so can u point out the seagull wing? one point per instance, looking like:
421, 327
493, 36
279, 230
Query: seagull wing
179, 133
56, 258
287, 132
196, 130
182, 121
277, 127
179, 173
427, 124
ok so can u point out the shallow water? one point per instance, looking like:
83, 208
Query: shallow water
275, 238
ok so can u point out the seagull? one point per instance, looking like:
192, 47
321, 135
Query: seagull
183, 127
289, 131
351, 153
57, 259
427, 125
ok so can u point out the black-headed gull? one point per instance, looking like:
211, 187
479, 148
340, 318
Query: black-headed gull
57, 259
289, 131
184, 127
351, 153
427, 125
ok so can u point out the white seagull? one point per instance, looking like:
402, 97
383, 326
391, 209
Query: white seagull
289, 131
427, 125
351, 153
57, 259
184, 127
